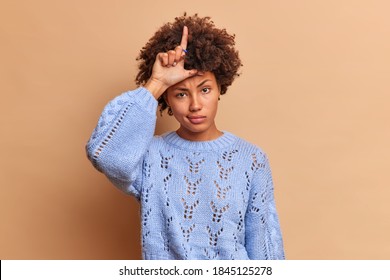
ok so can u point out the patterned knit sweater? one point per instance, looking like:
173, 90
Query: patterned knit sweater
199, 199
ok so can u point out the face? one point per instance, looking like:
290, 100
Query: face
194, 104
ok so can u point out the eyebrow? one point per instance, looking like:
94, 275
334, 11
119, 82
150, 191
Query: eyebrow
201, 84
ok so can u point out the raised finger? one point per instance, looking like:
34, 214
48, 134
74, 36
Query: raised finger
184, 38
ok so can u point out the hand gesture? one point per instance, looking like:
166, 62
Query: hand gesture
168, 68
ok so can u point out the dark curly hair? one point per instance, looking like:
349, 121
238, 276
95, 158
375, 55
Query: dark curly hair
208, 49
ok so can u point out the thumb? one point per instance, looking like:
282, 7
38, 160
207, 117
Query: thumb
191, 72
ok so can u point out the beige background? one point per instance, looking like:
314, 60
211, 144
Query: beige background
314, 95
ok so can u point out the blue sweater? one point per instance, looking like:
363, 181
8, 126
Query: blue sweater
199, 200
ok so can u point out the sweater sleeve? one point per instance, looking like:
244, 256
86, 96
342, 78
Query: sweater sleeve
121, 138
263, 238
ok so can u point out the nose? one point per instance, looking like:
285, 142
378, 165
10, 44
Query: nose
195, 104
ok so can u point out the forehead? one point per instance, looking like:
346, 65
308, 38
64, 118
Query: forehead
196, 80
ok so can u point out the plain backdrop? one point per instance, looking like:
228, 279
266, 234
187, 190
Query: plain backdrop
314, 94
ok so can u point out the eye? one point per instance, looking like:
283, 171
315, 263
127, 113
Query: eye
181, 95
206, 90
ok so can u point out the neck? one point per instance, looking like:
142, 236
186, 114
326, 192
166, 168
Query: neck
199, 136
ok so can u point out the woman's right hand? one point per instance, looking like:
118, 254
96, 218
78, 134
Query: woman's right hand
168, 68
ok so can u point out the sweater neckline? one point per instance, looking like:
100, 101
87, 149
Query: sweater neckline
223, 141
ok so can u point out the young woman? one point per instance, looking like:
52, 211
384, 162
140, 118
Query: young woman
204, 193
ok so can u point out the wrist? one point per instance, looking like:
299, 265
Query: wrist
155, 87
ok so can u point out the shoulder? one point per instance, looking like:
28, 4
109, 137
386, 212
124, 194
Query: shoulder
248, 147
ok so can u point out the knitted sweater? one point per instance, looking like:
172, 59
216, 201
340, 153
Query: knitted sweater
199, 199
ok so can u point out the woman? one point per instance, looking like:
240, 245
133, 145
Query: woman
204, 193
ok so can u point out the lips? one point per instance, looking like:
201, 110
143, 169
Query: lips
196, 119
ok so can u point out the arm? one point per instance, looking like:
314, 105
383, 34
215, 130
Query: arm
263, 238
127, 124
121, 138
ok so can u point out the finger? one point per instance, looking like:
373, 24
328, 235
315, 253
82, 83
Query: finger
178, 53
163, 57
184, 38
171, 57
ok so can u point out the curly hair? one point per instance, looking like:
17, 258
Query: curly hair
209, 49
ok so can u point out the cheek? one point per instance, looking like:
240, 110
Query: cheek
179, 108
212, 104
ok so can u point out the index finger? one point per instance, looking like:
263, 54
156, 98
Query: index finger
184, 38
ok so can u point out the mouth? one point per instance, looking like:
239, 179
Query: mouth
196, 119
